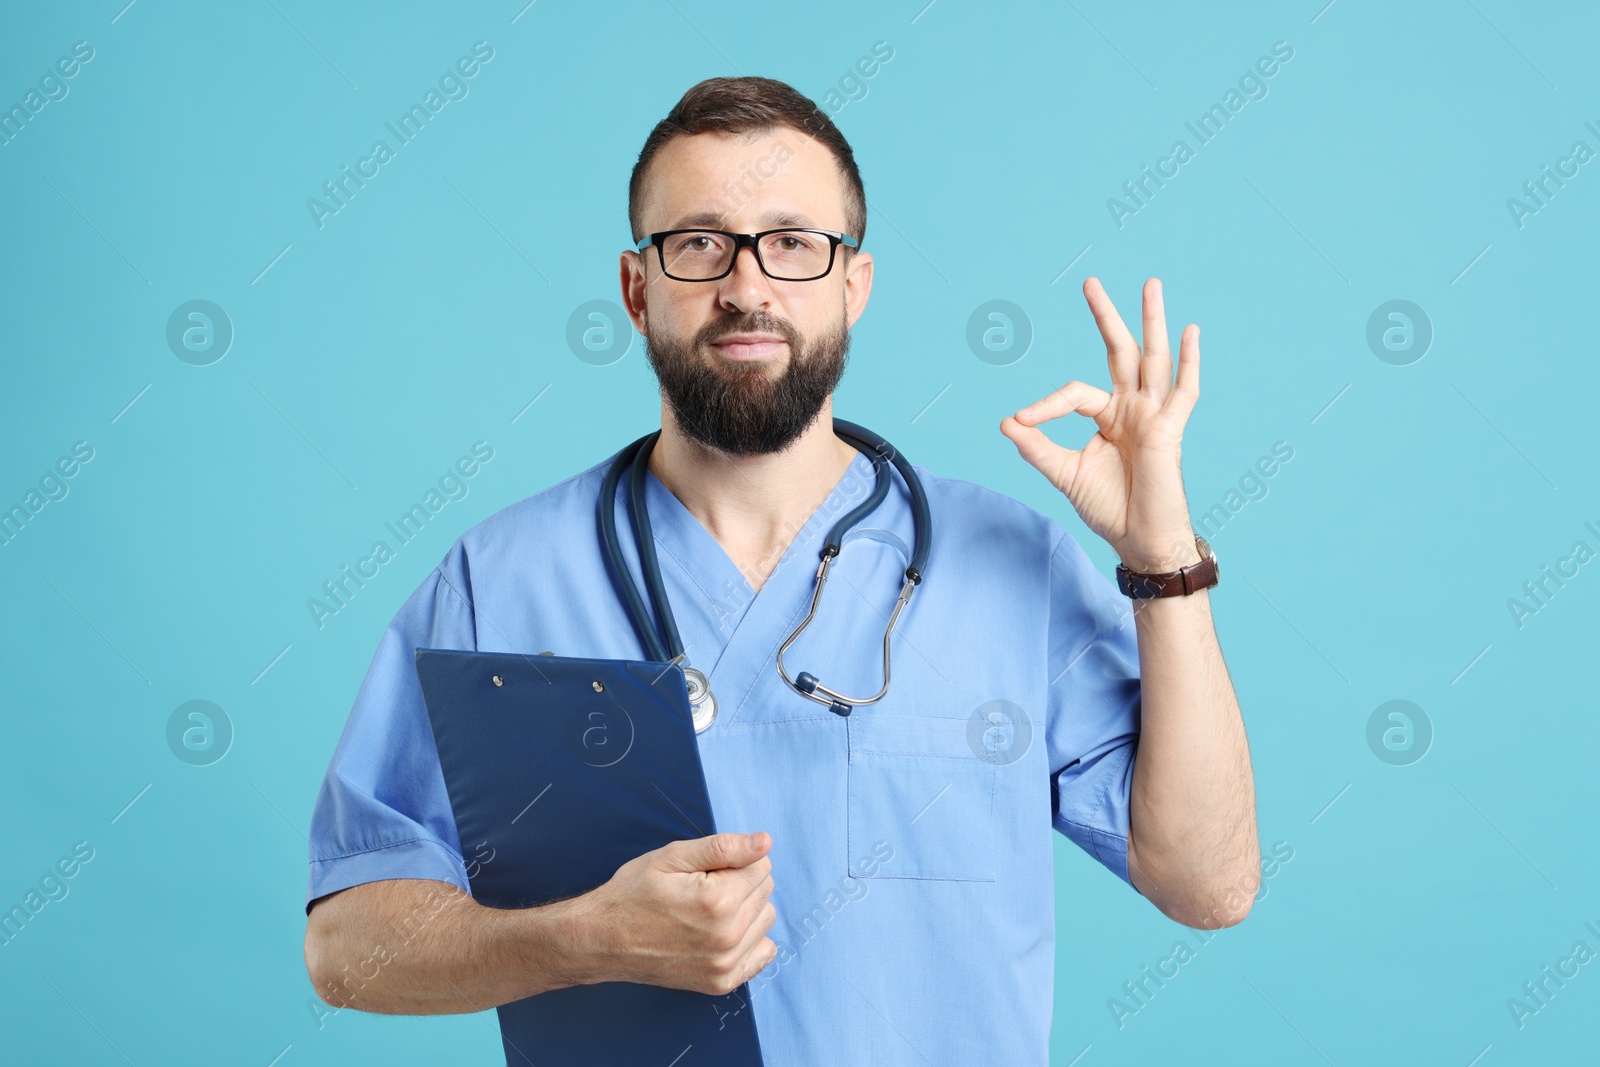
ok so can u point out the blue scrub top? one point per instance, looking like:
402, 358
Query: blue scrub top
911, 845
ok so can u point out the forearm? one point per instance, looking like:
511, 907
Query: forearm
422, 947
1193, 796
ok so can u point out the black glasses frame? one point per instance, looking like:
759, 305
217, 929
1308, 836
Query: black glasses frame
752, 242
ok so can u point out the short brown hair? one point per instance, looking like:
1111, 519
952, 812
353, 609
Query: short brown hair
751, 105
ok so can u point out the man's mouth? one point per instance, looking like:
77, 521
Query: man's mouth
750, 346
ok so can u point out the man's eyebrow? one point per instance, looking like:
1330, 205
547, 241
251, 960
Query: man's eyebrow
718, 221
785, 218
713, 219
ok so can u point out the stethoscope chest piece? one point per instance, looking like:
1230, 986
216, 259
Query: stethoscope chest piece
702, 703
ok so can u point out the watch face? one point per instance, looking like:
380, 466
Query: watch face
1208, 553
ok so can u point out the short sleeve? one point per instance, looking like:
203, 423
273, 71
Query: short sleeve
383, 811
1092, 727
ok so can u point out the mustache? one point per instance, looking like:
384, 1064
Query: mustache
749, 322
736, 408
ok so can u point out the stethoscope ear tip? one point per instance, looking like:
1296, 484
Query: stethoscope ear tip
806, 682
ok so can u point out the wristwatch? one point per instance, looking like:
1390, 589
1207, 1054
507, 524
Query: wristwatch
1196, 576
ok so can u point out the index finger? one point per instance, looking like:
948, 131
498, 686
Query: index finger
1122, 351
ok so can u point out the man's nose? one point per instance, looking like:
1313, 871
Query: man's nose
746, 286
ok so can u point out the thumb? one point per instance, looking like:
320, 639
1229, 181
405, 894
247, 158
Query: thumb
717, 852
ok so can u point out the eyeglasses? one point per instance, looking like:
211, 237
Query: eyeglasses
790, 255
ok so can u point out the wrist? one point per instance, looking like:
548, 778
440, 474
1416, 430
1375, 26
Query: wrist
1184, 580
1174, 554
565, 949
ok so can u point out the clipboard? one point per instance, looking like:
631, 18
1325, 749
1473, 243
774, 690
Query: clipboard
560, 770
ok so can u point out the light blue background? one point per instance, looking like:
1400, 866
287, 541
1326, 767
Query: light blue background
376, 350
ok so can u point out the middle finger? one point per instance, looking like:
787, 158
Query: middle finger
1155, 370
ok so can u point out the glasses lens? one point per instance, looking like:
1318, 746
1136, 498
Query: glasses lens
796, 254
788, 255
696, 255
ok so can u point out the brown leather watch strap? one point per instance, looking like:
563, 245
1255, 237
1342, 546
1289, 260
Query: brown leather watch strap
1190, 579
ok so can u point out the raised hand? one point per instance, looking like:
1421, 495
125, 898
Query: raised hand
1125, 483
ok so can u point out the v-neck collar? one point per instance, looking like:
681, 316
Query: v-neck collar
728, 606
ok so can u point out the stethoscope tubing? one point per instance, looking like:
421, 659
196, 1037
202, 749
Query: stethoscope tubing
627, 590
634, 461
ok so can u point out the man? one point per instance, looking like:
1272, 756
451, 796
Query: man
888, 892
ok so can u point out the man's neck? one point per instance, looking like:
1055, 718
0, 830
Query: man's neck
752, 505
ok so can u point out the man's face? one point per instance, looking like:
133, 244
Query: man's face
745, 362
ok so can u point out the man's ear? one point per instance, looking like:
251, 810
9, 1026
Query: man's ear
857, 285
633, 288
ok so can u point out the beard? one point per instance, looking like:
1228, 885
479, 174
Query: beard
736, 408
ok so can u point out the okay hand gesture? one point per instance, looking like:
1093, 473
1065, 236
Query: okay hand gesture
1125, 483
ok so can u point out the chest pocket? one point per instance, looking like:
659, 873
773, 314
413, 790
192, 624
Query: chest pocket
921, 803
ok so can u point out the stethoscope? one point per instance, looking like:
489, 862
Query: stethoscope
634, 461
